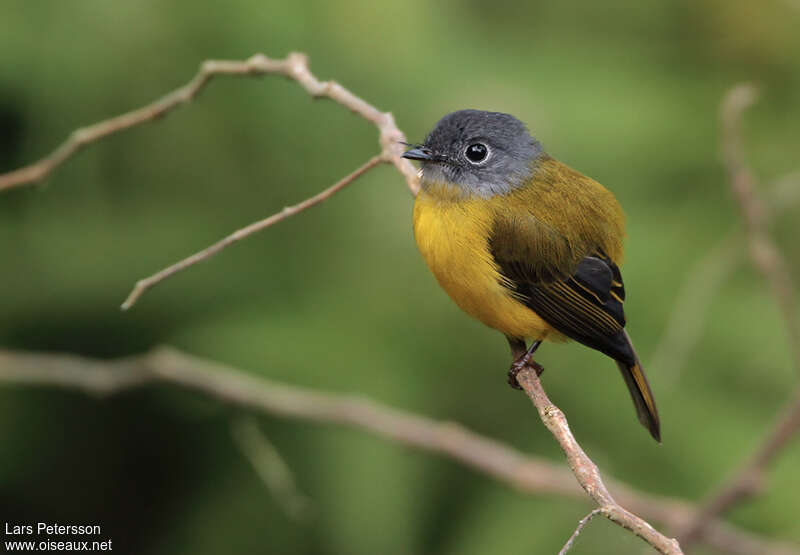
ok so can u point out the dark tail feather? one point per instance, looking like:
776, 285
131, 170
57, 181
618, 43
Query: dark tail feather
641, 394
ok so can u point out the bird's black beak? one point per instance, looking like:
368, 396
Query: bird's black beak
420, 153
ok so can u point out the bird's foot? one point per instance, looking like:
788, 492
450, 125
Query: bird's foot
525, 361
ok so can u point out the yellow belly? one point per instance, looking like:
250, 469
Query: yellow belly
452, 236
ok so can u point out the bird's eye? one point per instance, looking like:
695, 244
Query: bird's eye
477, 153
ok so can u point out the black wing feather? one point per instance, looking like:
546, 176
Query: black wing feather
577, 291
585, 306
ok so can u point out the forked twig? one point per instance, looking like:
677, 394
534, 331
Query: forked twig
584, 469
526, 473
143, 285
581, 523
768, 259
295, 67
450, 439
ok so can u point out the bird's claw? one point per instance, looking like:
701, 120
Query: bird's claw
525, 361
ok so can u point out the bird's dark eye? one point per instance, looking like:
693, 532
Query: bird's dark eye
477, 153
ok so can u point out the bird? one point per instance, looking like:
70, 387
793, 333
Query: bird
524, 243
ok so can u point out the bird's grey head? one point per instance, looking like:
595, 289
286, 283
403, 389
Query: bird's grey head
482, 153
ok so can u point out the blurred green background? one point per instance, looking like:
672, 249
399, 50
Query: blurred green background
338, 298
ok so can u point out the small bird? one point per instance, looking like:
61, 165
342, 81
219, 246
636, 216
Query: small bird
524, 243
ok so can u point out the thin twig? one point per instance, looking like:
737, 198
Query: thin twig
294, 66
525, 473
270, 467
704, 280
143, 285
584, 469
690, 307
768, 259
764, 253
750, 479
581, 523
399, 426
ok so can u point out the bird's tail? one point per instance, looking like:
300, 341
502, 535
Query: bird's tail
640, 393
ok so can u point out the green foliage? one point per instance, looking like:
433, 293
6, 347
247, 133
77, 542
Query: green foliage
337, 298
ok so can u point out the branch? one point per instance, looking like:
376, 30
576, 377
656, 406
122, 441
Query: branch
584, 469
765, 255
527, 474
768, 259
690, 306
269, 466
470, 449
143, 285
294, 66
750, 479
581, 523
693, 300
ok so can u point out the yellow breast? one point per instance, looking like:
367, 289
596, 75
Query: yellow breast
453, 236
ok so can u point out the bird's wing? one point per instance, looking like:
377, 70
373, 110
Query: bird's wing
578, 293
561, 202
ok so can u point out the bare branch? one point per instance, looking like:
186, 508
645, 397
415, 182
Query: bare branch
294, 66
693, 300
750, 479
584, 469
269, 466
768, 259
527, 474
686, 321
143, 285
581, 523
764, 253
